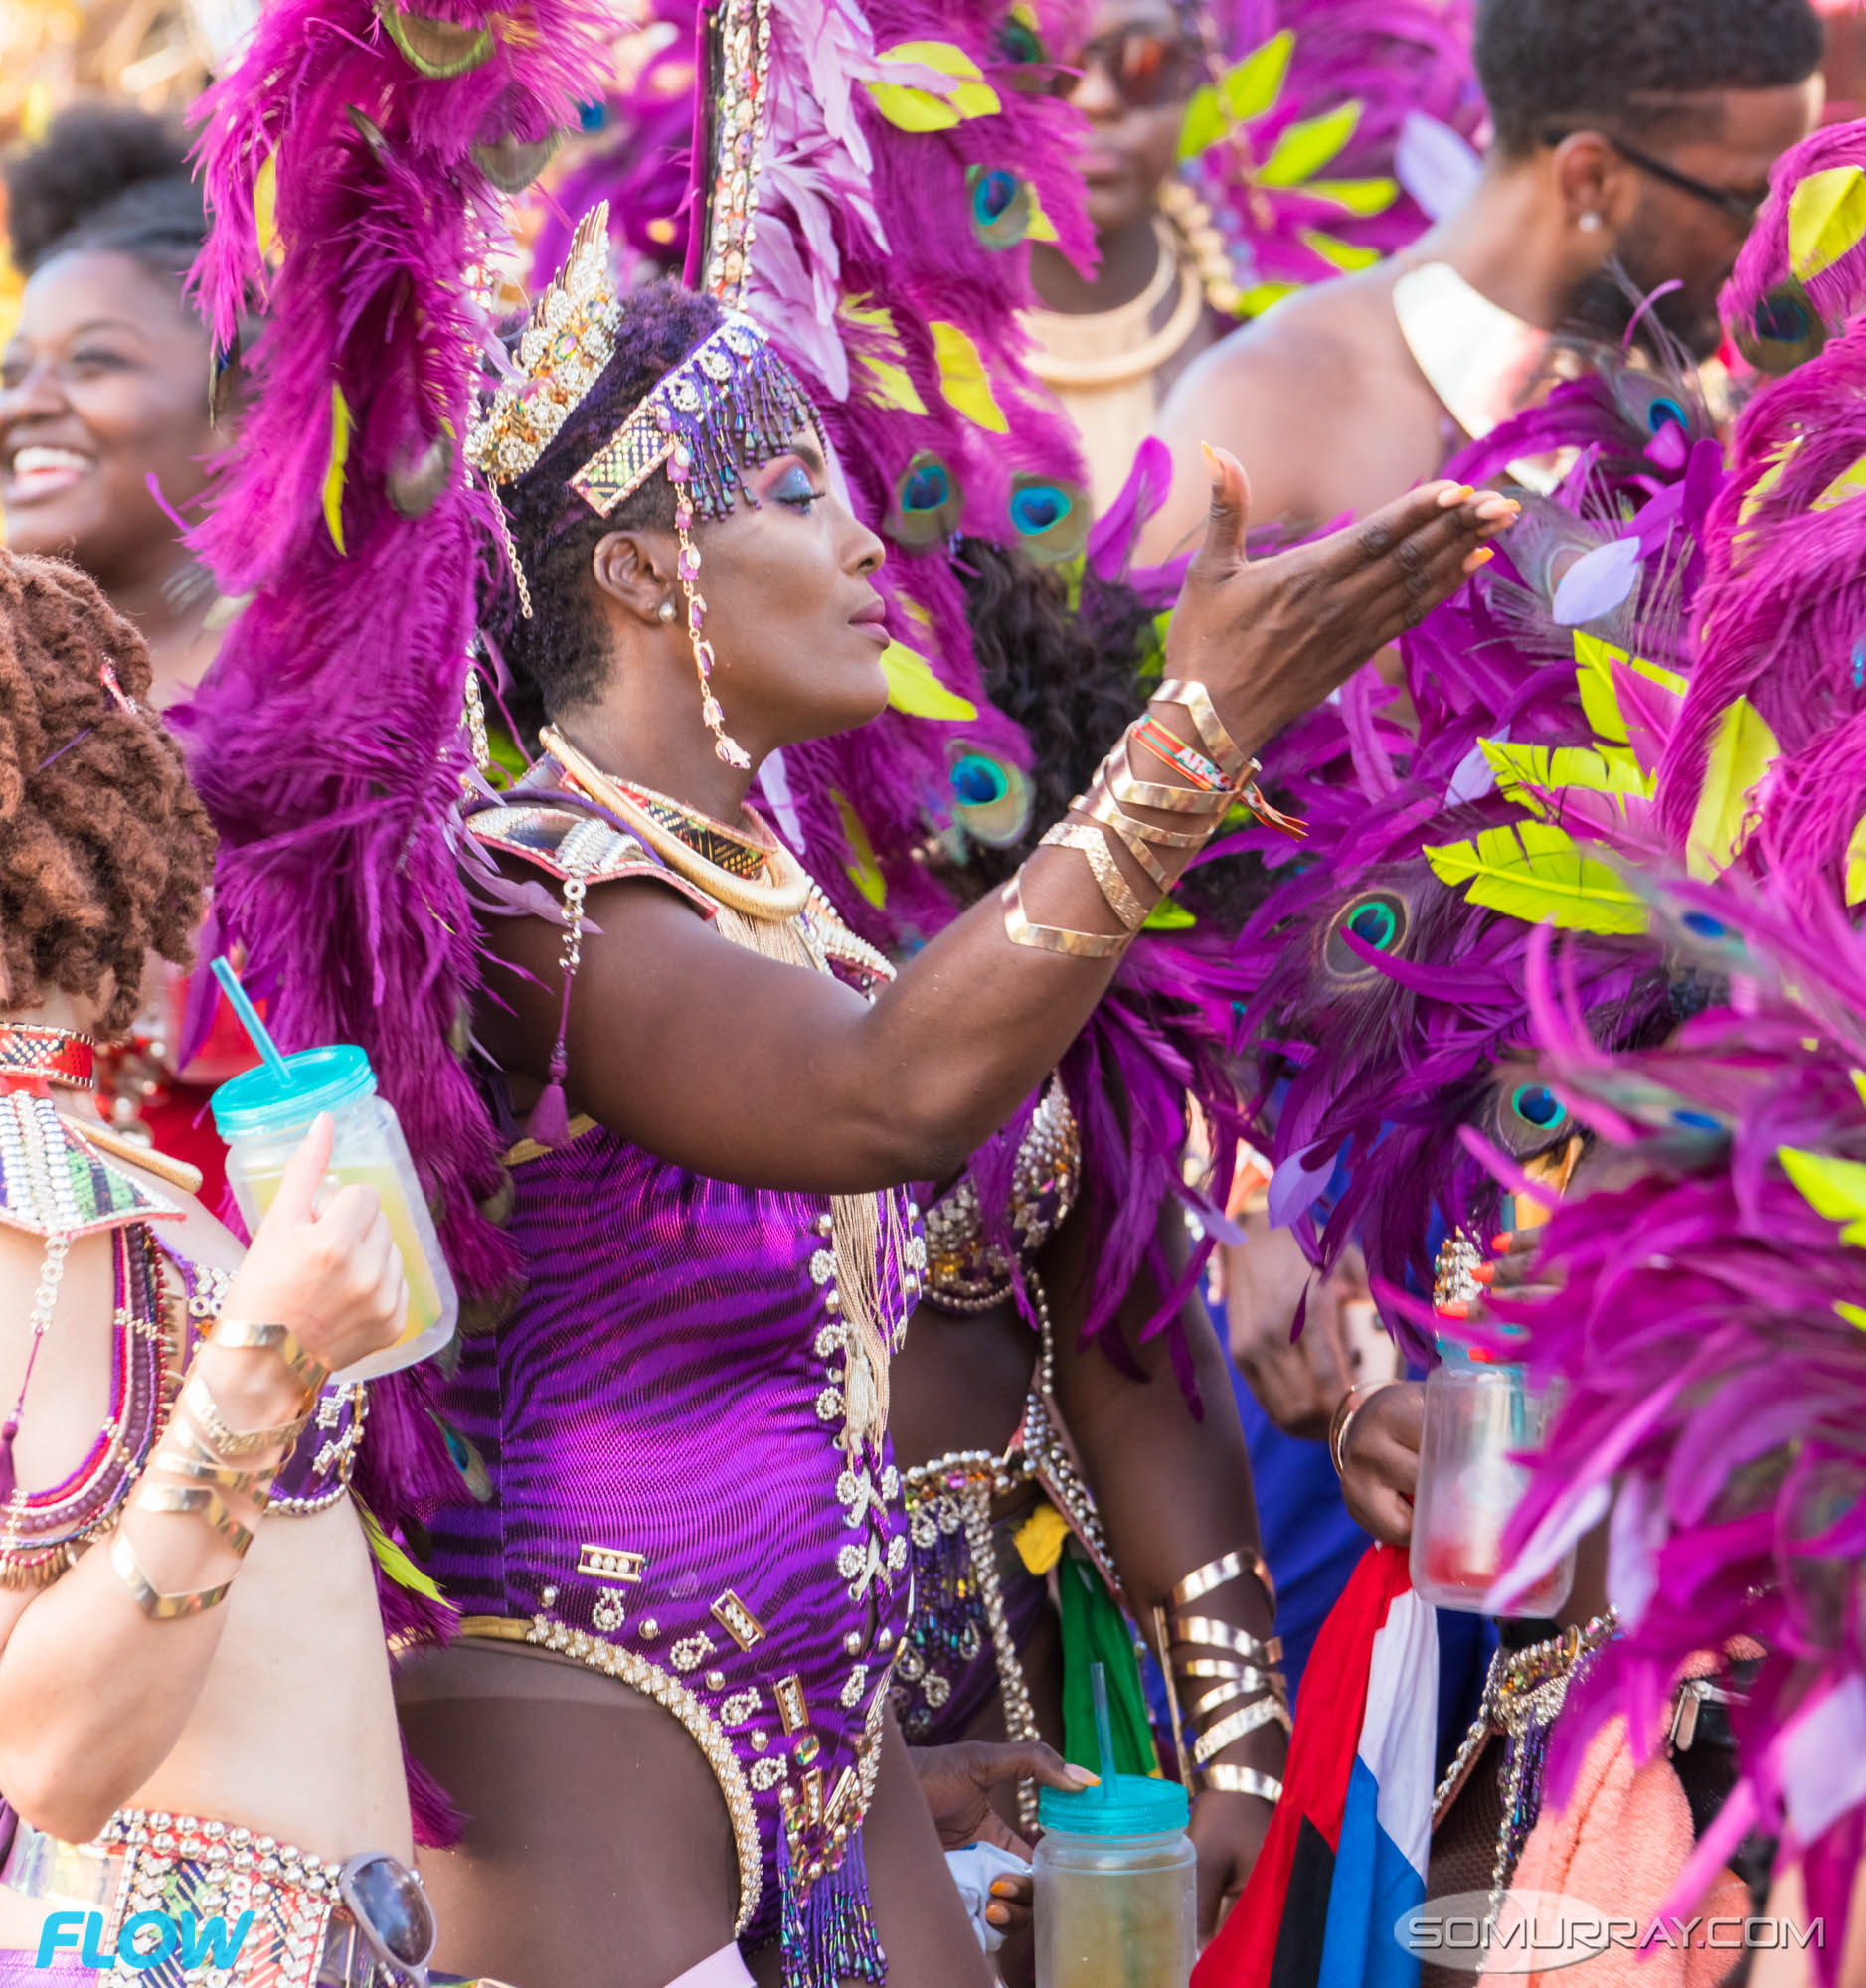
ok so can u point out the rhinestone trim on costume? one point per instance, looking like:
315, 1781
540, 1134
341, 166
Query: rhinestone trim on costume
706, 1731
967, 1273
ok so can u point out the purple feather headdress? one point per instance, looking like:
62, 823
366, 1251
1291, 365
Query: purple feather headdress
1332, 134
353, 164
1784, 603
1389, 1006
1709, 1335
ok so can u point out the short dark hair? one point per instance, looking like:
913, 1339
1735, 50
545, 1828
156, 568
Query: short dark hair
105, 177
1548, 63
557, 658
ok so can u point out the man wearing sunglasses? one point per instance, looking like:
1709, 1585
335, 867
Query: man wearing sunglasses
1633, 144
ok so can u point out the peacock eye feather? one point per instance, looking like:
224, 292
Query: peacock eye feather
927, 503
1377, 919
1051, 519
1018, 41
1784, 330
1002, 206
1665, 411
991, 798
1528, 1118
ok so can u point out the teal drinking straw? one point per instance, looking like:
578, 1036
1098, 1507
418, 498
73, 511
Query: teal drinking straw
1103, 1729
249, 1021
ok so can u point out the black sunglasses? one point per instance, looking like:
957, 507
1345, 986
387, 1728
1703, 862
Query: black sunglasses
1741, 208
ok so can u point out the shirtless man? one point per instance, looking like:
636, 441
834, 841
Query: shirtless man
1630, 133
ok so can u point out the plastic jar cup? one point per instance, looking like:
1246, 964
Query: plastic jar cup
1478, 1421
1116, 1887
265, 1123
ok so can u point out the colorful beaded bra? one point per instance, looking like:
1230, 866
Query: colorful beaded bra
56, 1182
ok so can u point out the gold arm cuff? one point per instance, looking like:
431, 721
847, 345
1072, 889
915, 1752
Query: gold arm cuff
1056, 938
1104, 800
197, 1462
199, 1502
1201, 1629
1093, 843
159, 1607
198, 1404
1235, 1726
1219, 1572
1231, 758
1101, 808
1225, 1780
241, 1333
1247, 1683
1129, 787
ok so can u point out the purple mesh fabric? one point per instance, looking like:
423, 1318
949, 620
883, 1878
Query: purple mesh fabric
667, 1387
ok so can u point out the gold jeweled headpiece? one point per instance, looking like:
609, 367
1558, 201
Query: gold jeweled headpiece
569, 340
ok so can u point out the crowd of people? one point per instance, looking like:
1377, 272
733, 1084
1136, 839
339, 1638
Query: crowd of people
1094, 753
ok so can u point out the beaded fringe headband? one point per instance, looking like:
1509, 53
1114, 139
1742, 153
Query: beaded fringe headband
729, 406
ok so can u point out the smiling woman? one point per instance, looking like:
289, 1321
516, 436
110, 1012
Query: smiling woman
103, 383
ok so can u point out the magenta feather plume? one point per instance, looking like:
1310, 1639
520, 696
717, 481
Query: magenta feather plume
1293, 211
1784, 598
1707, 1335
326, 739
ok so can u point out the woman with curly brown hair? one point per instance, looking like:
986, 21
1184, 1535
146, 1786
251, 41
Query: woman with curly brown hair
186, 1688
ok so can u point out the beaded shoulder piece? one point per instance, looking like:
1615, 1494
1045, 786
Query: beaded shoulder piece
566, 841
53, 1182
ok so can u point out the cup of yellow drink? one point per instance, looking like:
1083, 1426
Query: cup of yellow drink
263, 1121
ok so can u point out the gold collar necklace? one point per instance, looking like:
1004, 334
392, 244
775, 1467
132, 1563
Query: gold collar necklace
746, 868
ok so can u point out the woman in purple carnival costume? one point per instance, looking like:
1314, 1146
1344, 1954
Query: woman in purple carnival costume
674, 1492
1051, 1464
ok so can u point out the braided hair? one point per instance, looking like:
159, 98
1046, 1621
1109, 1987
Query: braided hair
105, 177
558, 658
104, 849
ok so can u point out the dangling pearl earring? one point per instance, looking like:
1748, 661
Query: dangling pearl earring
1590, 223
665, 612
680, 472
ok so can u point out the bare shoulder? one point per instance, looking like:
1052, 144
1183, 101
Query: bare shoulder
1319, 342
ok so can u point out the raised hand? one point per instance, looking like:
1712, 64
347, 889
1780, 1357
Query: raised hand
1271, 639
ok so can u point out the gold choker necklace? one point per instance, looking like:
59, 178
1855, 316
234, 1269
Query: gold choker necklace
746, 868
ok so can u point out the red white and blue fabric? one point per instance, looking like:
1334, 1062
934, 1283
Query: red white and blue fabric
1345, 1857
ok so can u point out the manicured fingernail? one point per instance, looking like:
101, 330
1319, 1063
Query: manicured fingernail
1454, 494
998, 1915
1481, 556
1211, 459
1084, 1779
1460, 1310
1004, 1887
1484, 1274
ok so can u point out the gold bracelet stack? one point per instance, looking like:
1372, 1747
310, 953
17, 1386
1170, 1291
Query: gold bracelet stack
1232, 1684
1219, 774
216, 1464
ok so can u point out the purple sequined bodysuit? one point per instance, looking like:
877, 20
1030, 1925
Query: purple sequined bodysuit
686, 1484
